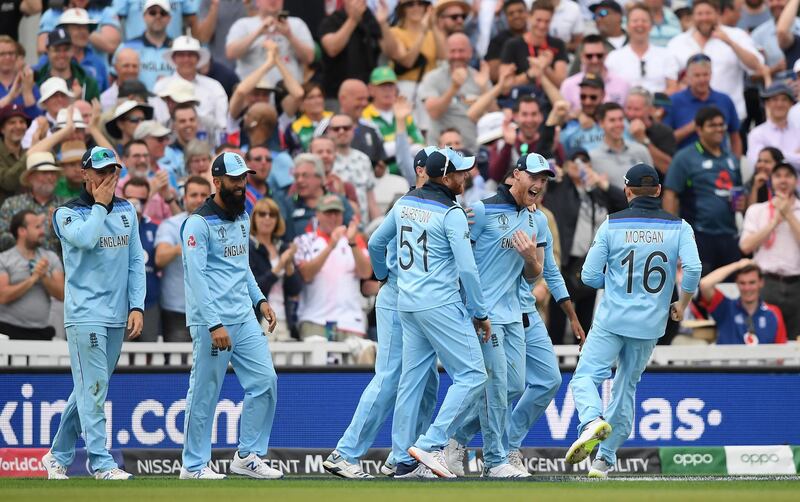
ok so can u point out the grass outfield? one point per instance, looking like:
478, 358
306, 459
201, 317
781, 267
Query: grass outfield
332, 490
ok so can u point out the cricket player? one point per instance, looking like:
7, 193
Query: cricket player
542, 374
433, 253
104, 295
634, 256
221, 293
379, 396
504, 236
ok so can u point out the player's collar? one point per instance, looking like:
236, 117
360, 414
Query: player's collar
643, 202
504, 192
441, 188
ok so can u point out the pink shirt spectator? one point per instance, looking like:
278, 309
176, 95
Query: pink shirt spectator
156, 208
780, 253
616, 89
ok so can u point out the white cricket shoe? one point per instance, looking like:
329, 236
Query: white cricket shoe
600, 468
420, 472
389, 468
204, 473
115, 474
435, 460
253, 466
455, 452
517, 462
503, 471
53, 468
595, 431
339, 466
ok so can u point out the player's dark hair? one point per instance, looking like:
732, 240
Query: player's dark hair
18, 221
603, 110
525, 98
509, 3
644, 191
197, 180
713, 3
750, 268
706, 114
543, 5
136, 182
777, 155
591, 39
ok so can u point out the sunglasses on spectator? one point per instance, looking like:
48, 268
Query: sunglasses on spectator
264, 214
455, 17
157, 13
341, 128
589, 97
601, 13
594, 55
262, 158
134, 120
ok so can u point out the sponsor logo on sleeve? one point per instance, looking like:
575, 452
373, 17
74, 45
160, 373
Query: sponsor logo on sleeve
191, 241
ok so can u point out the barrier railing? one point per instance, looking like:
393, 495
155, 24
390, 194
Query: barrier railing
19, 353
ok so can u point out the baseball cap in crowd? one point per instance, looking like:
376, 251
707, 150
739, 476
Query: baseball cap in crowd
99, 158
77, 16
784, 166
490, 127
533, 163
13, 110
77, 119
641, 175
422, 156
71, 151
150, 128
51, 86
446, 160
164, 4
592, 80
229, 164
778, 89
133, 87
59, 36
382, 75
605, 4
680, 7
38, 162
662, 100
330, 202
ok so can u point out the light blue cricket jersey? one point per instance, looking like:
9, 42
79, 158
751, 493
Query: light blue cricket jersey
500, 266
133, 12
152, 65
550, 271
103, 261
433, 252
387, 296
639, 249
220, 287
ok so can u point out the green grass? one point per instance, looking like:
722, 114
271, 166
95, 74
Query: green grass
333, 490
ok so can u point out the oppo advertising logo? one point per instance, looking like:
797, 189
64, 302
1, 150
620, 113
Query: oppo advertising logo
759, 458
692, 459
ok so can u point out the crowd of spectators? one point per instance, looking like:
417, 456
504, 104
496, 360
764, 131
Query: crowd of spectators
329, 100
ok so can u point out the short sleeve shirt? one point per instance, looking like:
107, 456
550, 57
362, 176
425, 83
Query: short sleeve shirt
256, 54
517, 51
133, 12
26, 311
172, 288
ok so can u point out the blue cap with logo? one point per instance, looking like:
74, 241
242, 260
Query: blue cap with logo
641, 175
533, 163
229, 164
422, 156
446, 160
99, 158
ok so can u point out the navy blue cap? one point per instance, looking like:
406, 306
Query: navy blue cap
446, 160
778, 89
229, 164
422, 156
99, 158
59, 36
641, 175
533, 163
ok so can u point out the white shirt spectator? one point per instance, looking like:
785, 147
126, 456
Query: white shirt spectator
786, 139
213, 100
334, 295
659, 65
256, 55
356, 168
567, 21
727, 71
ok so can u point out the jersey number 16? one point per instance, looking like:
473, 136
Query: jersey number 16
649, 269
422, 240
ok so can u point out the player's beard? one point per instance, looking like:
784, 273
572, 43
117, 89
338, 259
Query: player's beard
233, 203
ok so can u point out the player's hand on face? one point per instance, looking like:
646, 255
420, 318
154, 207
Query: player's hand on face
269, 315
483, 328
135, 324
104, 192
676, 312
220, 339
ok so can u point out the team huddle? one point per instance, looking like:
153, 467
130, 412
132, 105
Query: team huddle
457, 289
